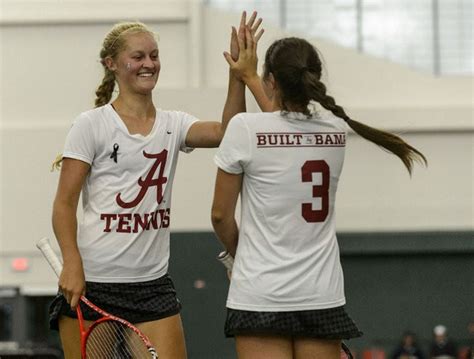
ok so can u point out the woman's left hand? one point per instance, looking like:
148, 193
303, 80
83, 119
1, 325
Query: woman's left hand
234, 45
243, 45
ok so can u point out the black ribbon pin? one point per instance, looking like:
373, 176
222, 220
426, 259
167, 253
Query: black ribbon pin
114, 154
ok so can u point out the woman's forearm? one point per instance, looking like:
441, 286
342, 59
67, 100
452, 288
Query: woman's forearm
65, 230
227, 232
235, 102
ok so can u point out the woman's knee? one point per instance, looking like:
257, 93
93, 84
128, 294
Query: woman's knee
167, 336
70, 337
263, 347
309, 348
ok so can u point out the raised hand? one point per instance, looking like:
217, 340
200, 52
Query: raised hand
243, 60
245, 67
240, 34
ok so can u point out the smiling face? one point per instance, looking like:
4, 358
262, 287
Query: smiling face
137, 66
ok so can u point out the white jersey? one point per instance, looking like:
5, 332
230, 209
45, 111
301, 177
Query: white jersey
124, 235
287, 255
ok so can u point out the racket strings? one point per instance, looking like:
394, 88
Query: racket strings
113, 340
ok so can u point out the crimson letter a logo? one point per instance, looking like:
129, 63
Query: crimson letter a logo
149, 181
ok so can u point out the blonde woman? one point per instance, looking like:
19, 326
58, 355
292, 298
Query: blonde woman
122, 157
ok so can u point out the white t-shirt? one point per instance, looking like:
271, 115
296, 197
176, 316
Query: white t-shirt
287, 256
124, 234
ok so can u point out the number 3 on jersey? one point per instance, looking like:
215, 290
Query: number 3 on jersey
319, 191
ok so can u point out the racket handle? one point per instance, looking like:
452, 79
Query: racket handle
226, 259
53, 260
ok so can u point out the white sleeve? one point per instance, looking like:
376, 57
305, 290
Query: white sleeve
80, 143
234, 151
186, 121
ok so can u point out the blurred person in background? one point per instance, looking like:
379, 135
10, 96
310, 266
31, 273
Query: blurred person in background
408, 348
442, 346
467, 352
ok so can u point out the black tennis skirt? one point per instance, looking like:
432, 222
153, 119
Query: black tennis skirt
134, 302
332, 323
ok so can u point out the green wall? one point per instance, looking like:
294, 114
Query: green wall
393, 282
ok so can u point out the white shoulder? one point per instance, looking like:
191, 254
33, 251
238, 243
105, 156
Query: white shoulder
94, 114
249, 117
335, 121
173, 114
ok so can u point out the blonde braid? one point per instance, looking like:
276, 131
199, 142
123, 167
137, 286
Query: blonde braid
105, 89
56, 165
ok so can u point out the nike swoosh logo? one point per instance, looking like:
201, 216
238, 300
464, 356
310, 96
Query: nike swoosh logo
168, 132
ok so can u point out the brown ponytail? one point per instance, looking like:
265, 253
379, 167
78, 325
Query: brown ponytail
299, 81
387, 140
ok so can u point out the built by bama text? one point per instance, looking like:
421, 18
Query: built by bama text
333, 139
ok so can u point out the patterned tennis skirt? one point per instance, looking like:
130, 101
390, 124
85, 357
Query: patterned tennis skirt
134, 302
332, 323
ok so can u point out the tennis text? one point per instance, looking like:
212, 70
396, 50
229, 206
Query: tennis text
136, 222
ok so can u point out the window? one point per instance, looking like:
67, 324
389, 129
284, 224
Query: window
433, 36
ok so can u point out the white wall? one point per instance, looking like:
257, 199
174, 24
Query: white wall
49, 71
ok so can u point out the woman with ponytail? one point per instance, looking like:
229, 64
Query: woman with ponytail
122, 157
286, 296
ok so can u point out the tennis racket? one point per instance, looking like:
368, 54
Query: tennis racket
228, 261
346, 352
109, 336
